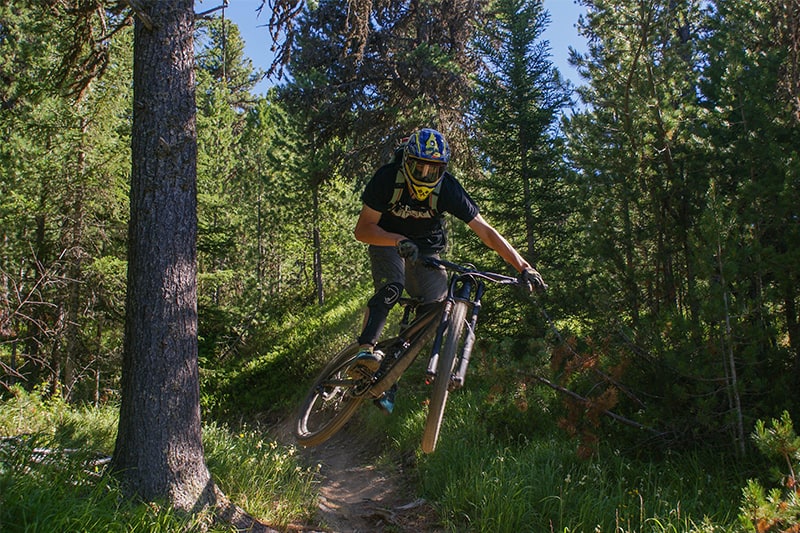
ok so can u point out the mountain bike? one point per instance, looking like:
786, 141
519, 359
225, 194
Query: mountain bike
336, 394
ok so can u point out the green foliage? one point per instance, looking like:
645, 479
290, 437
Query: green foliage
266, 478
502, 464
517, 98
777, 509
480, 480
683, 267
667, 231
60, 496
65, 160
30, 413
512, 474
369, 90
219, 55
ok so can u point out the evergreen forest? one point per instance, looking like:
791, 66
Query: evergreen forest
659, 199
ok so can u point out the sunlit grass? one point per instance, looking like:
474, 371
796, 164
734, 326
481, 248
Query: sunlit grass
480, 481
69, 491
260, 475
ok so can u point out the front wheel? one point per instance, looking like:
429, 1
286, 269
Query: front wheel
444, 370
331, 401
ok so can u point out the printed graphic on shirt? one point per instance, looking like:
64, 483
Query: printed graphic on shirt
405, 211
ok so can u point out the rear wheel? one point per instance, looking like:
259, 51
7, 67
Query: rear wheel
456, 332
331, 401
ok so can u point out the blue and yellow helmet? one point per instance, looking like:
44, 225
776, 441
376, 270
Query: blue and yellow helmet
425, 159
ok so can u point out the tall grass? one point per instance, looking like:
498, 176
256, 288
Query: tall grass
64, 489
260, 475
517, 475
480, 481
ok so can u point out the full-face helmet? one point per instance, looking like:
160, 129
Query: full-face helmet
425, 159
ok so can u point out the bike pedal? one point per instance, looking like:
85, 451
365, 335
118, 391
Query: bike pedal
365, 368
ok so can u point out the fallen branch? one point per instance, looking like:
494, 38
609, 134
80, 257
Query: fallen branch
52, 456
584, 400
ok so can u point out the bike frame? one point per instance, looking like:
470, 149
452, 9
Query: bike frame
465, 285
337, 392
401, 351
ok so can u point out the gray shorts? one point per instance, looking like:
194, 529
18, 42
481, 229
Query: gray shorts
427, 284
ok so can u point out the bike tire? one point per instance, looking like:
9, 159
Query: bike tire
329, 403
444, 369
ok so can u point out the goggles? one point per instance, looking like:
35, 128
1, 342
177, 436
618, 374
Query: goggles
424, 172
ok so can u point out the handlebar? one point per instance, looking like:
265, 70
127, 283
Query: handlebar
470, 270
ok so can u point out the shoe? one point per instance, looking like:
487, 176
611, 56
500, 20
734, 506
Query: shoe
386, 402
366, 364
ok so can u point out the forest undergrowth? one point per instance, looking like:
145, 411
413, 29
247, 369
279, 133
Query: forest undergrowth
503, 463
523, 477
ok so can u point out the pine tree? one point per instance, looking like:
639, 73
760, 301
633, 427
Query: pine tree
752, 154
518, 100
65, 165
159, 451
373, 82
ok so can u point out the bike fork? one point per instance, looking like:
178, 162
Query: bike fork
469, 341
437, 341
460, 369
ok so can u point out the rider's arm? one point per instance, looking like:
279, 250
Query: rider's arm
368, 231
498, 243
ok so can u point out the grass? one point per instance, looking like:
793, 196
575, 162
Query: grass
480, 478
260, 475
63, 494
287, 351
501, 465
488, 481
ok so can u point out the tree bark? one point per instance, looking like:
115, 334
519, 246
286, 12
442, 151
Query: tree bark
159, 454
159, 451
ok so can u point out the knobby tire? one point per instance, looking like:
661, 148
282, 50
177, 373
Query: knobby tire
329, 403
444, 370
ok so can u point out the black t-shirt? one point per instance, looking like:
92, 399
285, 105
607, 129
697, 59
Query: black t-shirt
414, 218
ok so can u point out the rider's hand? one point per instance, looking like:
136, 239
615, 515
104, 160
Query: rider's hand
408, 250
532, 279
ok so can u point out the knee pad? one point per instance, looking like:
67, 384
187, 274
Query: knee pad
386, 297
379, 306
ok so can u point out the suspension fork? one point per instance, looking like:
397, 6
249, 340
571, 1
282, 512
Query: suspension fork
469, 341
437, 340
460, 289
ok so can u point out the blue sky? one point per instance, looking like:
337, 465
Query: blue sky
561, 33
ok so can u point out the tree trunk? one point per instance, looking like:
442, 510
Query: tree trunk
320, 291
73, 243
159, 452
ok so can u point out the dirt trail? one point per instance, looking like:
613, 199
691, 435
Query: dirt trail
356, 496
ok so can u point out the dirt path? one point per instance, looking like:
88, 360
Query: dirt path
356, 496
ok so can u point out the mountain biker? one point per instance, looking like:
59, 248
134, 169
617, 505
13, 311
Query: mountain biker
402, 217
